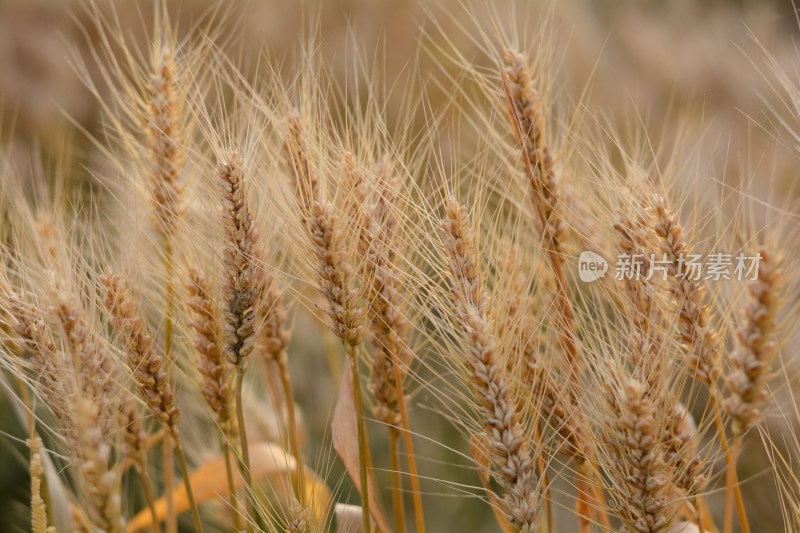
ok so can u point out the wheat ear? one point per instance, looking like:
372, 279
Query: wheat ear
750, 360
756, 346
164, 138
694, 322
379, 248
337, 284
508, 448
80, 414
164, 143
335, 277
525, 111
242, 291
642, 479
695, 331
212, 364
650, 352
146, 366
518, 323
303, 176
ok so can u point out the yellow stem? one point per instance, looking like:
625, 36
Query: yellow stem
244, 462
416, 493
169, 482
362, 437
141, 469
397, 482
737, 490
730, 483
169, 467
299, 484
542, 466
187, 482
226, 449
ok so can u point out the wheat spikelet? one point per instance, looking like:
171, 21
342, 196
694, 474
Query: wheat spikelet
509, 450
273, 334
135, 435
101, 483
647, 320
95, 371
53, 374
337, 280
299, 521
681, 452
379, 247
650, 351
303, 176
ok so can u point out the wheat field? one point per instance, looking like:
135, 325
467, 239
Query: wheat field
399, 266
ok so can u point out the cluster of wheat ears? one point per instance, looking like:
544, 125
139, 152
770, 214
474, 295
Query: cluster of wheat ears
140, 324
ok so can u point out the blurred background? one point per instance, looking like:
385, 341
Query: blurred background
697, 66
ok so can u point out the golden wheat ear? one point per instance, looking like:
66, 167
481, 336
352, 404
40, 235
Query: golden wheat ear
145, 364
508, 448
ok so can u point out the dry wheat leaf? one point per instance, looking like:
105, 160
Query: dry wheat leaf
344, 429
209, 482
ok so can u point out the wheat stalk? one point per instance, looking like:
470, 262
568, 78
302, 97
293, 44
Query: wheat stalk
274, 339
508, 448
146, 365
755, 349
336, 277
212, 364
